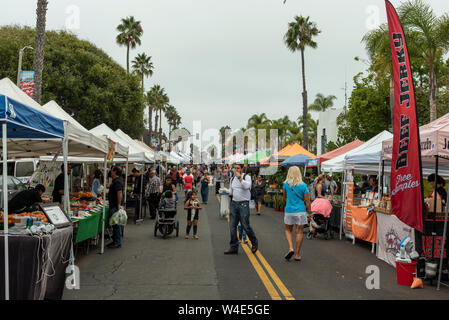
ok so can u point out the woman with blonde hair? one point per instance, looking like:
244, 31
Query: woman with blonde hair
319, 186
298, 204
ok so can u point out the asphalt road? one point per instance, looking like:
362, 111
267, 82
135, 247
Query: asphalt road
146, 267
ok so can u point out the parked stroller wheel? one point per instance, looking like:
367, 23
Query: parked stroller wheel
309, 235
155, 229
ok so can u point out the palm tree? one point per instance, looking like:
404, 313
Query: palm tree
129, 36
377, 44
257, 120
312, 126
322, 103
143, 66
300, 35
39, 43
432, 40
156, 99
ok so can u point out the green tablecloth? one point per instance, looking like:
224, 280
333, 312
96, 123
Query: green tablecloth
91, 226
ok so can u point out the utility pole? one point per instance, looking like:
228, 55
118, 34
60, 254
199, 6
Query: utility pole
19, 68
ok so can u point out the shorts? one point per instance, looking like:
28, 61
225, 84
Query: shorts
299, 218
195, 217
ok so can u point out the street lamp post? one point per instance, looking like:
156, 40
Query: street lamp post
19, 69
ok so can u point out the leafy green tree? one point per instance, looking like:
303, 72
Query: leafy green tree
129, 35
81, 78
299, 36
432, 40
322, 102
368, 111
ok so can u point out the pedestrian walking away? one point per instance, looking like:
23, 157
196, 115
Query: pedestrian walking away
259, 185
205, 187
240, 192
115, 204
188, 182
192, 204
154, 191
297, 206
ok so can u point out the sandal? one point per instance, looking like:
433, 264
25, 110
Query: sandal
289, 255
298, 259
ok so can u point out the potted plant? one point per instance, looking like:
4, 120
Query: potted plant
278, 203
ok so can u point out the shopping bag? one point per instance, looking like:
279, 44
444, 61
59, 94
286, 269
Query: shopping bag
252, 204
224, 204
119, 217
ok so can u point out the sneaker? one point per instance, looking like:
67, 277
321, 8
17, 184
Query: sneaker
187, 236
115, 246
254, 248
230, 251
196, 236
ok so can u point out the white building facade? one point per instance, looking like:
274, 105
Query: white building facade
327, 130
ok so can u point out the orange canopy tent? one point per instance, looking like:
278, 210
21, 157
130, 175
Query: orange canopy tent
289, 151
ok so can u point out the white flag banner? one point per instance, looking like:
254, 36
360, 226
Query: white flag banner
390, 232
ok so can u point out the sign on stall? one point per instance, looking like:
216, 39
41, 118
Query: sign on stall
348, 203
390, 232
111, 150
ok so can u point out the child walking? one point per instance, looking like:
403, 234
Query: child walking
192, 203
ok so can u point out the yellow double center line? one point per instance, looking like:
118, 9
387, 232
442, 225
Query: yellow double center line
267, 276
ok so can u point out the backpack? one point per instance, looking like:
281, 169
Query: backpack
253, 190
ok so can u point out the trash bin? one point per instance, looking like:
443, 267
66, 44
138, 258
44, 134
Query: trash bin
405, 272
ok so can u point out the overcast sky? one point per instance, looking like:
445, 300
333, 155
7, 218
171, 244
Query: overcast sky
223, 61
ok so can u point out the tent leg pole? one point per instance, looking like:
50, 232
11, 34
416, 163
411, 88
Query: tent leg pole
342, 204
435, 195
443, 244
5, 206
105, 165
126, 180
65, 151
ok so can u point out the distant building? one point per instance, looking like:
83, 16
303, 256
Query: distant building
327, 130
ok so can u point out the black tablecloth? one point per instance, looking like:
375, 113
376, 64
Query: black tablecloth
28, 255
334, 220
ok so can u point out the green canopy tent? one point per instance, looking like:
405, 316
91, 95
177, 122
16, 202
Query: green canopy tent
256, 157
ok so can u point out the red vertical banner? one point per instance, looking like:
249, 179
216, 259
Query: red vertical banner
406, 174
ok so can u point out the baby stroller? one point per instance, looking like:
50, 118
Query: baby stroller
166, 220
319, 219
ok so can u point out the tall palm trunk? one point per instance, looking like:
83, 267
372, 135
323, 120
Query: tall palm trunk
160, 127
127, 57
432, 91
392, 101
39, 43
304, 103
150, 122
156, 123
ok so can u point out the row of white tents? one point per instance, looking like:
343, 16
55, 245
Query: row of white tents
85, 145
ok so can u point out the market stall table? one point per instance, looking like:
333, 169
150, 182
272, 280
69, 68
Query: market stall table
37, 265
364, 225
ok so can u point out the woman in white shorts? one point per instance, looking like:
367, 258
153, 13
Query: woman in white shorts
298, 204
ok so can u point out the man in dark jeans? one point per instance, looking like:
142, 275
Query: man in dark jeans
154, 190
137, 191
240, 191
115, 204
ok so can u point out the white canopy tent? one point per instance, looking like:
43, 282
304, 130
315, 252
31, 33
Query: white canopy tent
134, 155
148, 151
337, 164
80, 143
